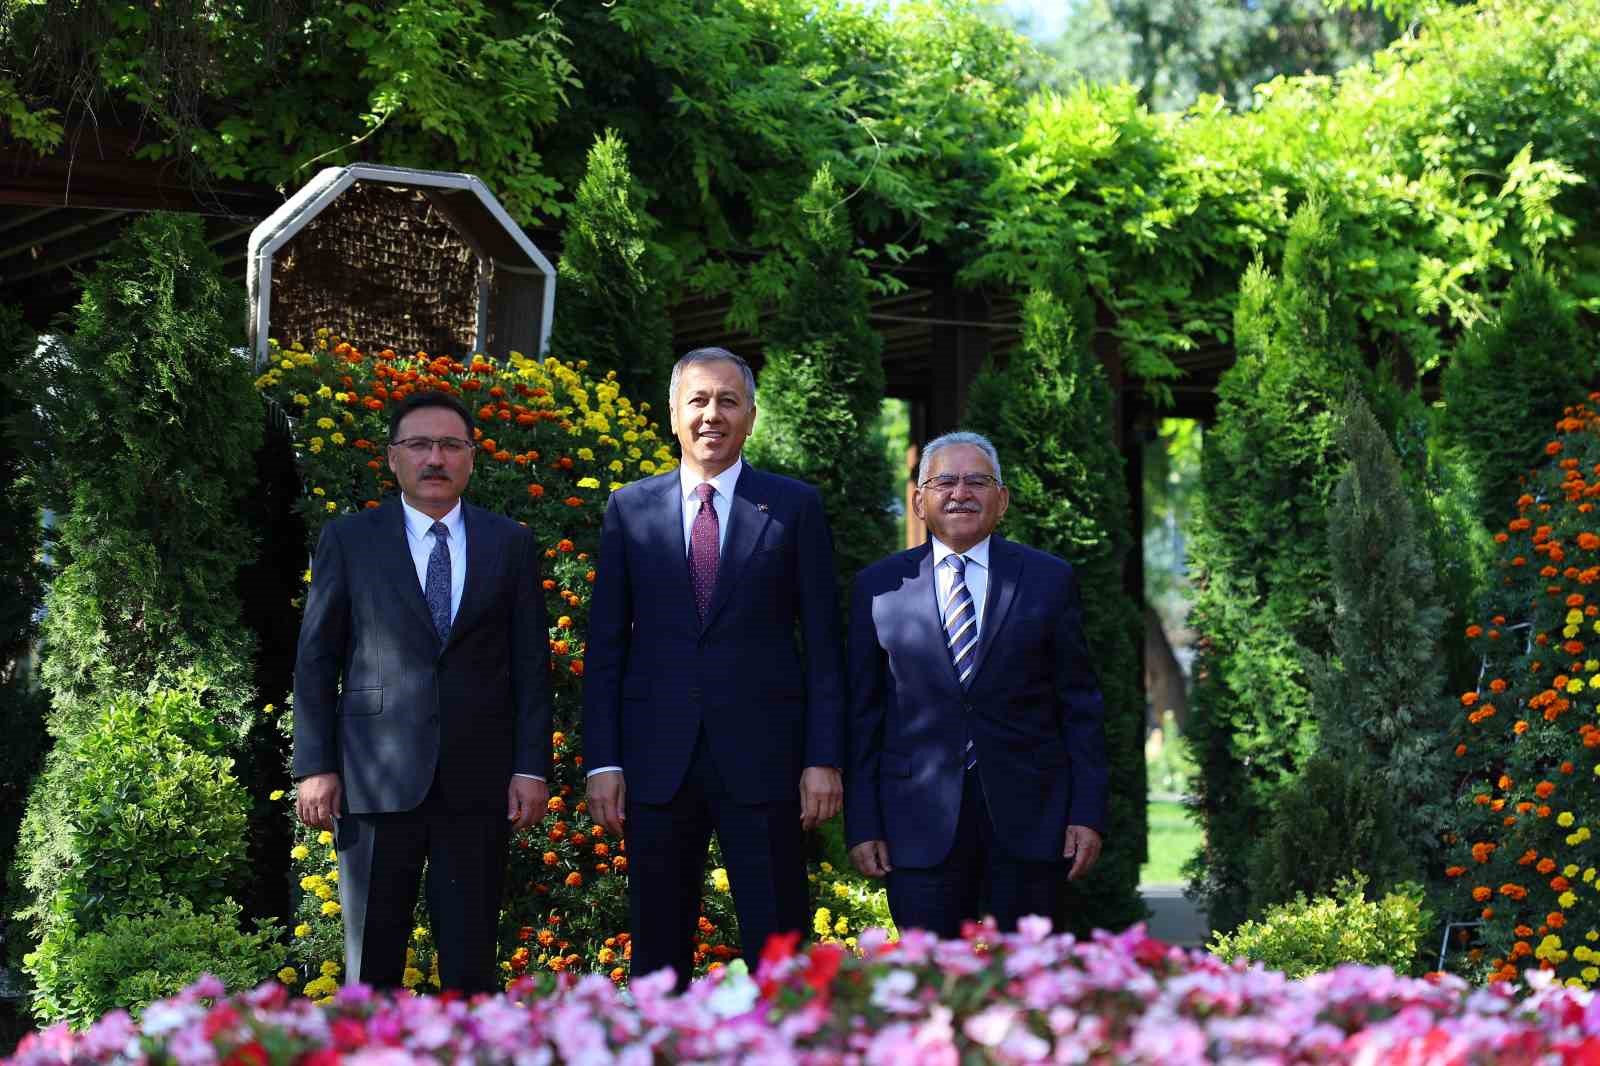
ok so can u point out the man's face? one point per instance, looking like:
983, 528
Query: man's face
432, 479
963, 515
712, 416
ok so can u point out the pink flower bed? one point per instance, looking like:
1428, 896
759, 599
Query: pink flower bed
1031, 997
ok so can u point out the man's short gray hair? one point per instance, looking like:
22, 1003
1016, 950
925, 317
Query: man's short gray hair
710, 355
938, 444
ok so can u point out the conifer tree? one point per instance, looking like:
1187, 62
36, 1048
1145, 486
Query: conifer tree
821, 389
1259, 548
609, 305
1372, 794
1048, 413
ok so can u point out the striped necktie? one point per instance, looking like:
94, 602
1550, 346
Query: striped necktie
961, 637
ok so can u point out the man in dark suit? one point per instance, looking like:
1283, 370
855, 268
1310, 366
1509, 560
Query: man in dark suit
701, 709
977, 764
422, 704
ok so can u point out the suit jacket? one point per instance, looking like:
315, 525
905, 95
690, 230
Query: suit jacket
770, 704
1033, 705
380, 701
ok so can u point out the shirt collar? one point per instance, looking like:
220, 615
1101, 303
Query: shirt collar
723, 482
418, 524
978, 553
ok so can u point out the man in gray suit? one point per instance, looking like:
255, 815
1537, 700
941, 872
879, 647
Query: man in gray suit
422, 713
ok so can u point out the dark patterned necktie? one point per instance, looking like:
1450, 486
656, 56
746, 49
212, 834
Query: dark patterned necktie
436, 590
703, 550
961, 637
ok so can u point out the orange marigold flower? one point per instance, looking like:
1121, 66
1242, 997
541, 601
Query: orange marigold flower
576, 666
564, 545
1497, 685
1482, 893
1482, 850
1527, 857
1543, 810
536, 491
1454, 871
1461, 749
1519, 727
1566, 767
551, 858
1474, 631
1546, 865
557, 804
549, 584
1555, 919
574, 879
1559, 884
1588, 541
1505, 782
1514, 891
1553, 448
1501, 538
1543, 789
1468, 699
573, 501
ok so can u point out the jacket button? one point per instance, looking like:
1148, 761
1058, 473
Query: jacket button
966, 708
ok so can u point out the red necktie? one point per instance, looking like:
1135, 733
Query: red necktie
703, 550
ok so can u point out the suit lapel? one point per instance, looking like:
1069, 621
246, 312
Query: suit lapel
394, 555
747, 521
663, 532
1005, 572
483, 560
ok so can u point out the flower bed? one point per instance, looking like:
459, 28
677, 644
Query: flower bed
1028, 997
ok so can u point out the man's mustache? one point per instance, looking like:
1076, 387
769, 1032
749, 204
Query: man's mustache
435, 471
961, 508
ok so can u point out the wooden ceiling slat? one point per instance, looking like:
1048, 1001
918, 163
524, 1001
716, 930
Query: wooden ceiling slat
57, 225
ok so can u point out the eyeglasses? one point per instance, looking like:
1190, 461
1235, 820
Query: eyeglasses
420, 446
948, 482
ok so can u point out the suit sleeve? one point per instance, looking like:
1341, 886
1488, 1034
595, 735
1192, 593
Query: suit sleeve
319, 659
610, 627
819, 628
530, 665
863, 814
1082, 715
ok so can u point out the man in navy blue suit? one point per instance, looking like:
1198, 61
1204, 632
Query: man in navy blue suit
977, 771
713, 691
422, 713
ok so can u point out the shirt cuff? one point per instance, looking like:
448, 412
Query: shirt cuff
533, 777
602, 770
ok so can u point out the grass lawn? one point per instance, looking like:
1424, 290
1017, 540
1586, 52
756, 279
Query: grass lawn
1173, 838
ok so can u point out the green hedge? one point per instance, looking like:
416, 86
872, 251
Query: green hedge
1307, 936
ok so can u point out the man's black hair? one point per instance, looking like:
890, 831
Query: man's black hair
431, 398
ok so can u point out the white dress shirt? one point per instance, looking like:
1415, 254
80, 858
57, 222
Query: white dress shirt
944, 576
722, 502
419, 538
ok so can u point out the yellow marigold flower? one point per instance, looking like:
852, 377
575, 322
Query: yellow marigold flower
586, 454
823, 921
1567, 898
1592, 665
411, 978
289, 976
825, 867
719, 879
330, 907
324, 393
419, 933
333, 875
841, 890
1575, 685
302, 399
315, 444
311, 882
1564, 819
325, 422
606, 956
324, 837
275, 795
302, 930
647, 467
1590, 973
1574, 617
299, 852
588, 483
1594, 681
1591, 936
329, 968
615, 466
323, 891
333, 856
842, 926
1570, 870
630, 436
318, 490
305, 578
1588, 875
332, 507
337, 438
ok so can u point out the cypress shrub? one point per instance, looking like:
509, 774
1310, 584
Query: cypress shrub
152, 427
1371, 796
1259, 544
611, 311
1048, 413
821, 390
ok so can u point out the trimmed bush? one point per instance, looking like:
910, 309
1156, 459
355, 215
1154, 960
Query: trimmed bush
821, 389
136, 959
1259, 550
1307, 936
1048, 412
611, 311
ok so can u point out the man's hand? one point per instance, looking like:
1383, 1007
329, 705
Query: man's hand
821, 795
525, 801
316, 800
871, 857
1083, 848
607, 794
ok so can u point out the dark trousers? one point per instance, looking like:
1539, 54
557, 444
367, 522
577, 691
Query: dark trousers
975, 879
761, 843
381, 859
